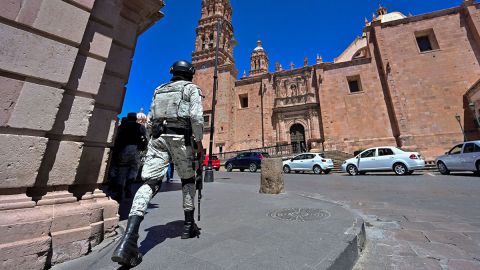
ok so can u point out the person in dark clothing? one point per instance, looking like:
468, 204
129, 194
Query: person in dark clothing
131, 139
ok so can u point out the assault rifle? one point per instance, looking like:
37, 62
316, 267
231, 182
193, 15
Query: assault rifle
198, 165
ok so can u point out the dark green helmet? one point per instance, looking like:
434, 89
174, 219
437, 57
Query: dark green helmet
182, 67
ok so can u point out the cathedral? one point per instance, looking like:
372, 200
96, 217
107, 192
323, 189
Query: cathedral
408, 81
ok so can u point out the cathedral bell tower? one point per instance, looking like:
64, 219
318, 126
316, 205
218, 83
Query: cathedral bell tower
258, 60
203, 58
214, 11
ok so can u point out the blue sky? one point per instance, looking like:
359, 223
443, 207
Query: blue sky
290, 30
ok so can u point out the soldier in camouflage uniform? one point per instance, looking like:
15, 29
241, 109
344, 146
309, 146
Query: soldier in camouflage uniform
175, 115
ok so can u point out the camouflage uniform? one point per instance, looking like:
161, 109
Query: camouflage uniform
185, 112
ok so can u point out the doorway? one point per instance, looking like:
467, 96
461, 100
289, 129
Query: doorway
297, 137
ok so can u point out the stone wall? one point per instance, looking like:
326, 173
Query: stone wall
63, 70
353, 121
427, 88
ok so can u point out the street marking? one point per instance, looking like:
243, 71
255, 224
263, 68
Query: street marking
431, 174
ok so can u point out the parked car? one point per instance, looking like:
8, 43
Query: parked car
308, 162
462, 157
251, 161
386, 158
215, 162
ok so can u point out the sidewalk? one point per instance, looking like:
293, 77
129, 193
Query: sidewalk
241, 229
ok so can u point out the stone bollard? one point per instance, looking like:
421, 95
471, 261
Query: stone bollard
272, 176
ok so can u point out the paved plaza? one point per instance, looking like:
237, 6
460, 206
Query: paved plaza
416, 222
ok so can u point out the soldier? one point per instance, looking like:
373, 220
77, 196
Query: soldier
176, 113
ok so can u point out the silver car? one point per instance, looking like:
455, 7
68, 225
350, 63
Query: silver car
385, 158
462, 157
308, 162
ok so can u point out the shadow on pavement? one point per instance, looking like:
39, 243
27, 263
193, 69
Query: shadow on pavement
158, 234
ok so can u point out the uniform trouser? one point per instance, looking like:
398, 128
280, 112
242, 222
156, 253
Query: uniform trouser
155, 167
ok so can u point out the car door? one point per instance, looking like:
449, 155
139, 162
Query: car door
308, 162
297, 162
385, 158
367, 160
453, 158
238, 160
470, 154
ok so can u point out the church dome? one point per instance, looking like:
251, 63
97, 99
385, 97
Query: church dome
141, 117
384, 16
259, 47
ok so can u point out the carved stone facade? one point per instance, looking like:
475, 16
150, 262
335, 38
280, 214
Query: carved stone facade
63, 70
401, 83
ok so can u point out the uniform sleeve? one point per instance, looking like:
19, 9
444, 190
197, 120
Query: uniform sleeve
196, 112
150, 118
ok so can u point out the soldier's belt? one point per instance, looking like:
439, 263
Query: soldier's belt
187, 132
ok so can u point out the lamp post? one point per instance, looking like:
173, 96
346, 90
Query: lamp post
209, 177
459, 118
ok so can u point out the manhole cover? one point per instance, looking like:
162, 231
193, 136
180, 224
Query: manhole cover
299, 214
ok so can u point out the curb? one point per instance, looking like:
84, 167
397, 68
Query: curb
346, 256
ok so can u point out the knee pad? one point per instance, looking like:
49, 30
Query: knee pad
188, 181
155, 185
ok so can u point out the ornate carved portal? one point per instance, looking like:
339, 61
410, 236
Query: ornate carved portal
297, 137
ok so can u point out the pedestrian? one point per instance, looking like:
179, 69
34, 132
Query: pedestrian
176, 113
171, 170
131, 139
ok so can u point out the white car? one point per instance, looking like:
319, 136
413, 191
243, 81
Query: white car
308, 162
462, 157
386, 158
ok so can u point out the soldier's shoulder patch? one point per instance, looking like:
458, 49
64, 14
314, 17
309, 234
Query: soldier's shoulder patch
197, 88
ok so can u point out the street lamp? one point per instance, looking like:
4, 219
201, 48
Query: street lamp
459, 118
209, 170
209, 177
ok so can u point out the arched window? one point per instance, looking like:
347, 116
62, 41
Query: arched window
210, 45
204, 44
259, 64
255, 62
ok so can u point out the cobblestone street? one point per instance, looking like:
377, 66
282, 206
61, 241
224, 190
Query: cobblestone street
415, 222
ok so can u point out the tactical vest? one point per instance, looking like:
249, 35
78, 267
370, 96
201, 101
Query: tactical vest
171, 103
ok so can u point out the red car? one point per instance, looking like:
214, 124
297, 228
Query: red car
215, 162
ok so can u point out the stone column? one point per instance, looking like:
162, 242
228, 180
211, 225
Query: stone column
63, 70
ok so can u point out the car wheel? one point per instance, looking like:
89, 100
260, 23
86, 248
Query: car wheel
229, 167
317, 169
352, 169
477, 165
252, 167
442, 168
286, 169
400, 169
217, 169
327, 171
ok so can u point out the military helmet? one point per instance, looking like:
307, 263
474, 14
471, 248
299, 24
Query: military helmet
182, 66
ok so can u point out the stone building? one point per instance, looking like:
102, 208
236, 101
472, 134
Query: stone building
401, 83
64, 65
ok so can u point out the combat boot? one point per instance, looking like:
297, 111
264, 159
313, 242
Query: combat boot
190, 229
127, 252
